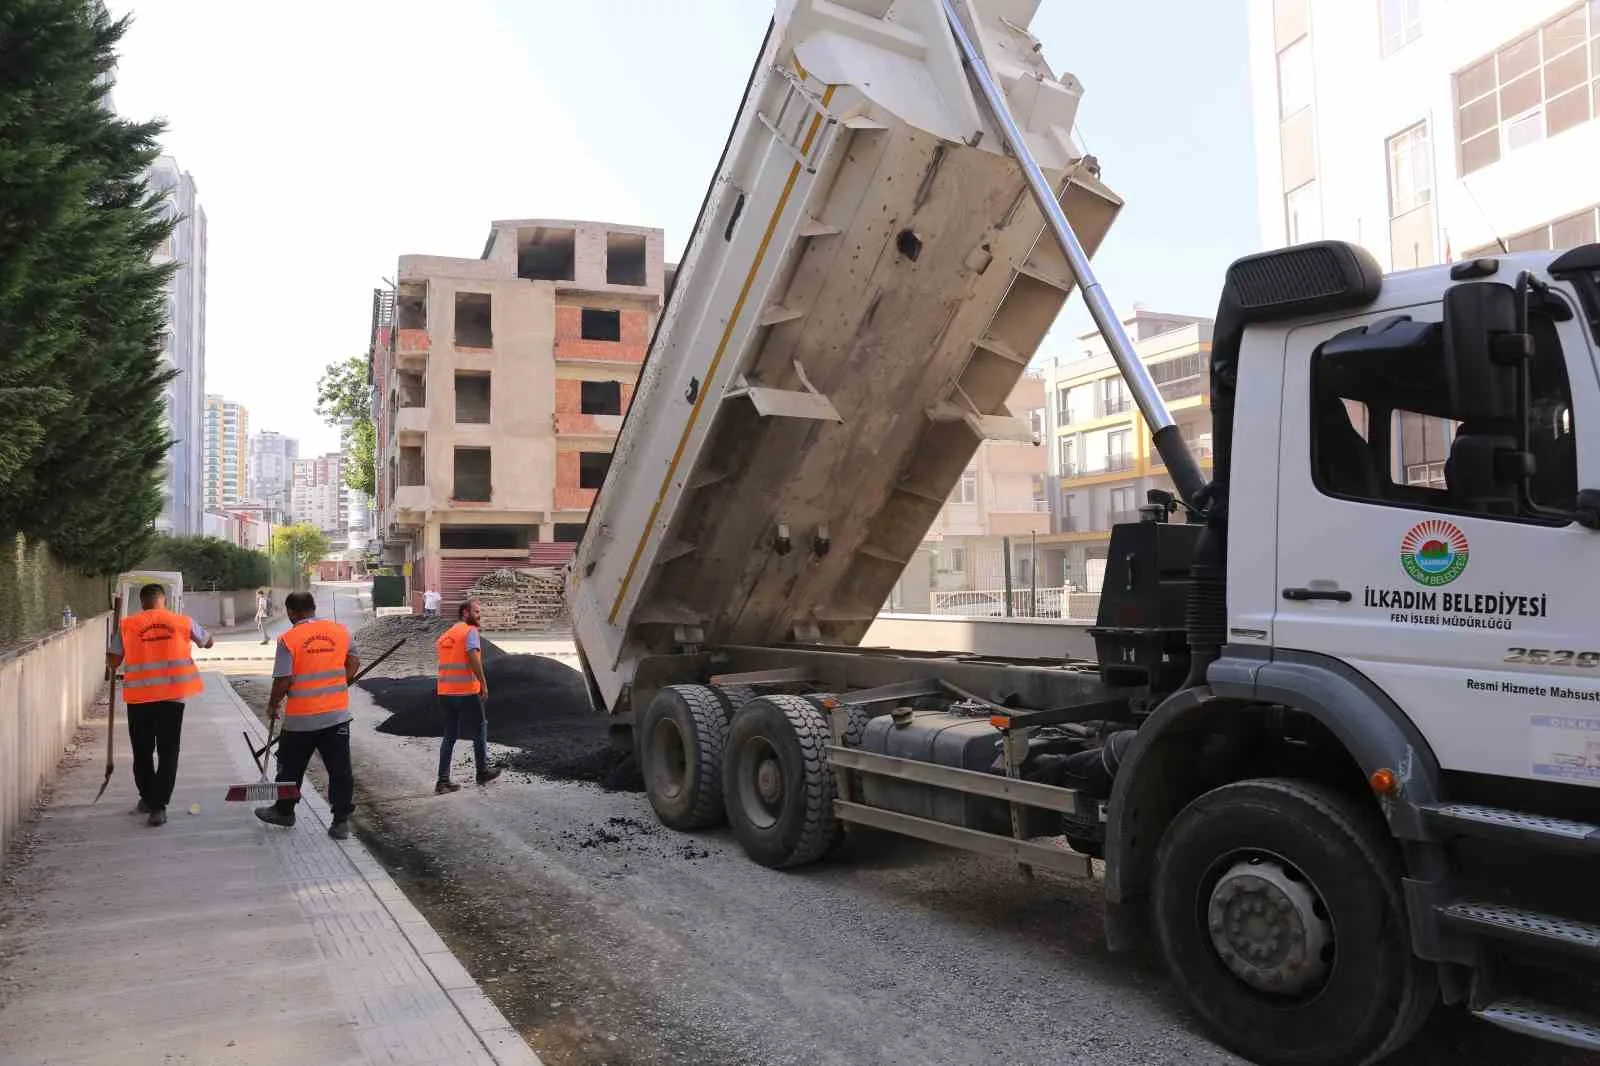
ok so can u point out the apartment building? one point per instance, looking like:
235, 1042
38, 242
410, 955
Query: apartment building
1427, 130
500, 384
227, 452
271, 468
183, 500
1474, 124
1000, 501
317, 494
1101, 462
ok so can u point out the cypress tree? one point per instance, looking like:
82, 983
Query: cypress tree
82, 310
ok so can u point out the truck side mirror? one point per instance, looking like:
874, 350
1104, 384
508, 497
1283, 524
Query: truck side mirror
1484, 345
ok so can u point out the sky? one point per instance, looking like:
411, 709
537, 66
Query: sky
328, 138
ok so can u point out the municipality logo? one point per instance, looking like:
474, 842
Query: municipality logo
1434, 553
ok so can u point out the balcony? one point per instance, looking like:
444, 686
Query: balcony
1120, 405
411, 424
411, 498
1003, 522
1182, 388
411, 349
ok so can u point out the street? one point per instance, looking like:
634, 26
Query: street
608, 939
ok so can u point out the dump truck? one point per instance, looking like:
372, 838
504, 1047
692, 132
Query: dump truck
1333, 758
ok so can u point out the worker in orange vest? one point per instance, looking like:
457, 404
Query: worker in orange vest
311, 682
463, 694
158, 673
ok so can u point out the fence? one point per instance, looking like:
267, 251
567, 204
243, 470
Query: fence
1064, 603
45, 690
35, 589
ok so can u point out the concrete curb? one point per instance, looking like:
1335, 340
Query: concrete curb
503, 1043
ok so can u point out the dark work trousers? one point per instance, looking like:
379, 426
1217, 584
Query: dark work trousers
333, 744
464, 714
155, 731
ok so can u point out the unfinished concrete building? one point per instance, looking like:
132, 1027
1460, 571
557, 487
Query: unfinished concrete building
499, 385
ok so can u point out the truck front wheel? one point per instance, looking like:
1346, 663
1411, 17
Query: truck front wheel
1279, 912
680, 742
776, 783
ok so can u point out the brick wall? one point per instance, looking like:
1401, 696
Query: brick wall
569, 496
630, 349
569, 409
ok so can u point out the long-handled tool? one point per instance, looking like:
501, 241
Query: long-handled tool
111, 704
263, 790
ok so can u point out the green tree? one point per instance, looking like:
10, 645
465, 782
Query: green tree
82, 311
210, 562
299, 546
344, 399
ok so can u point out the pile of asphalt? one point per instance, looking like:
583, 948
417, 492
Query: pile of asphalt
536, 705
417, 656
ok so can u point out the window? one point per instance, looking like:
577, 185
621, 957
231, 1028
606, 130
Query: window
1063, 407
1303, 213
1410, 170
592, 468
956, 559
967, 488
597, 325
545, 254
472, 480
1119, 450
1539, 85
411, 308
472, 396
1400, 22
1114, 396
485, 537
625, 259
1388, 428
1294, 78
569, 532
1069, 457
473, 329
601, 398
1036, 422
1123, 507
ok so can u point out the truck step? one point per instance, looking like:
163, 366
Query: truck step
1468, 819
1544, 1022
1529, 928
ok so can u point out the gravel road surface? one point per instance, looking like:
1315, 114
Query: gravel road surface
608, 939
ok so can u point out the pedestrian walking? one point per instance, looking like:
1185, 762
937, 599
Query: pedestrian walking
430, 603
261, 614
463, 696
158, 672
311, 682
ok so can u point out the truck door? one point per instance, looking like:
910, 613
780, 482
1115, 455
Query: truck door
1402, 555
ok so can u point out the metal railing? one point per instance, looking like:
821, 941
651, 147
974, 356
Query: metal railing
1057, 602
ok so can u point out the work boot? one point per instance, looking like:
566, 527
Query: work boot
142, 808
340, 829
488, 775
158, 816
273, 816
445, 786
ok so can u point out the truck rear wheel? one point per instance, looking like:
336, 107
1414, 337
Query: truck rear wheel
680, 744
777, 786
1279, 912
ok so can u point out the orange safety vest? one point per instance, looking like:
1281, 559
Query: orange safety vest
455, 666
156, 663
319, 696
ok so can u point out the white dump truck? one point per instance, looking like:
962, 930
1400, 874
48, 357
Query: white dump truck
1335, 758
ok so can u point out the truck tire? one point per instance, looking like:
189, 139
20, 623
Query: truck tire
776, 784
737, 696
1279, 912
680, 743
854, 730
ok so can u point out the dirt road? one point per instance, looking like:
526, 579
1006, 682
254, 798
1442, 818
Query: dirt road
610, 940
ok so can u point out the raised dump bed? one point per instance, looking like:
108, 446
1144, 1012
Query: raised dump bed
864, 285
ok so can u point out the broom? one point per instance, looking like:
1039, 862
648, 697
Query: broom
262, 790
111, 703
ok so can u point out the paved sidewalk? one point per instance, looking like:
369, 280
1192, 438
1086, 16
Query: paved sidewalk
216, 940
